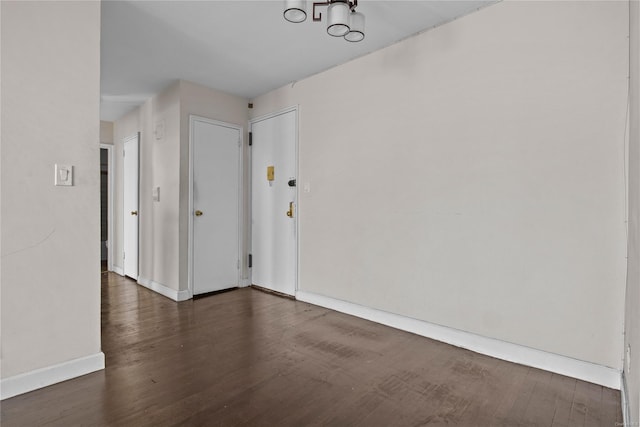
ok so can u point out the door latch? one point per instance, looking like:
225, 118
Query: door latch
290, 211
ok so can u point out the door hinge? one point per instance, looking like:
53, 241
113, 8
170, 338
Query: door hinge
238, 265
250, 139
250, 263
124, 255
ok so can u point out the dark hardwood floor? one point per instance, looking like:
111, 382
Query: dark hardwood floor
247, 358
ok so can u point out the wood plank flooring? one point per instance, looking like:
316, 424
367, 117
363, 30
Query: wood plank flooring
247, 358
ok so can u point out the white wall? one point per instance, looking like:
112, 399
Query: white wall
472, 177
50, 261
106, 132
632, 320
159, 154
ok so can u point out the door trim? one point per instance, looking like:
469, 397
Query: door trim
192, 119
110, 210
296, 109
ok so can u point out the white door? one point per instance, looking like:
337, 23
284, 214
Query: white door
274, 203
215, 186
130, 206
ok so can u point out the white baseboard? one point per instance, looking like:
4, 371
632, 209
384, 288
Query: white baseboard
164, 290
33, 380
624, 398
117, 270
587, 371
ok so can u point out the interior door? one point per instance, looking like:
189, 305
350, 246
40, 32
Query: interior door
215, 149
274, 202
130, 206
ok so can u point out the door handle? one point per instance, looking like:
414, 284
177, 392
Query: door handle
290, 211
198, 213
134, 213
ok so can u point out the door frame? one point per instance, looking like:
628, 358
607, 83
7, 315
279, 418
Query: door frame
110, 198
192, 119
124, 140
296, 109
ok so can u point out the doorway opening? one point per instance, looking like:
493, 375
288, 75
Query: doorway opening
106, 208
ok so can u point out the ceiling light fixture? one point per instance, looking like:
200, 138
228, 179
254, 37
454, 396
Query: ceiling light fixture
342, 18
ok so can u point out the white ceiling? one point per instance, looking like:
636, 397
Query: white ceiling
242, 47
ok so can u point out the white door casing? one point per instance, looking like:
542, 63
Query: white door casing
273, 223
130, 205
215, 210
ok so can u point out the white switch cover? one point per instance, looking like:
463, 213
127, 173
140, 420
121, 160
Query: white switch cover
159, 131
155, 193
64, 175
307, 187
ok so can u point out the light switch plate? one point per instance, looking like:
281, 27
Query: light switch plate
159, 130
155, 194
64, 175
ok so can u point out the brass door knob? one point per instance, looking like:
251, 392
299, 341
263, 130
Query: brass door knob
134, 213
198, 213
